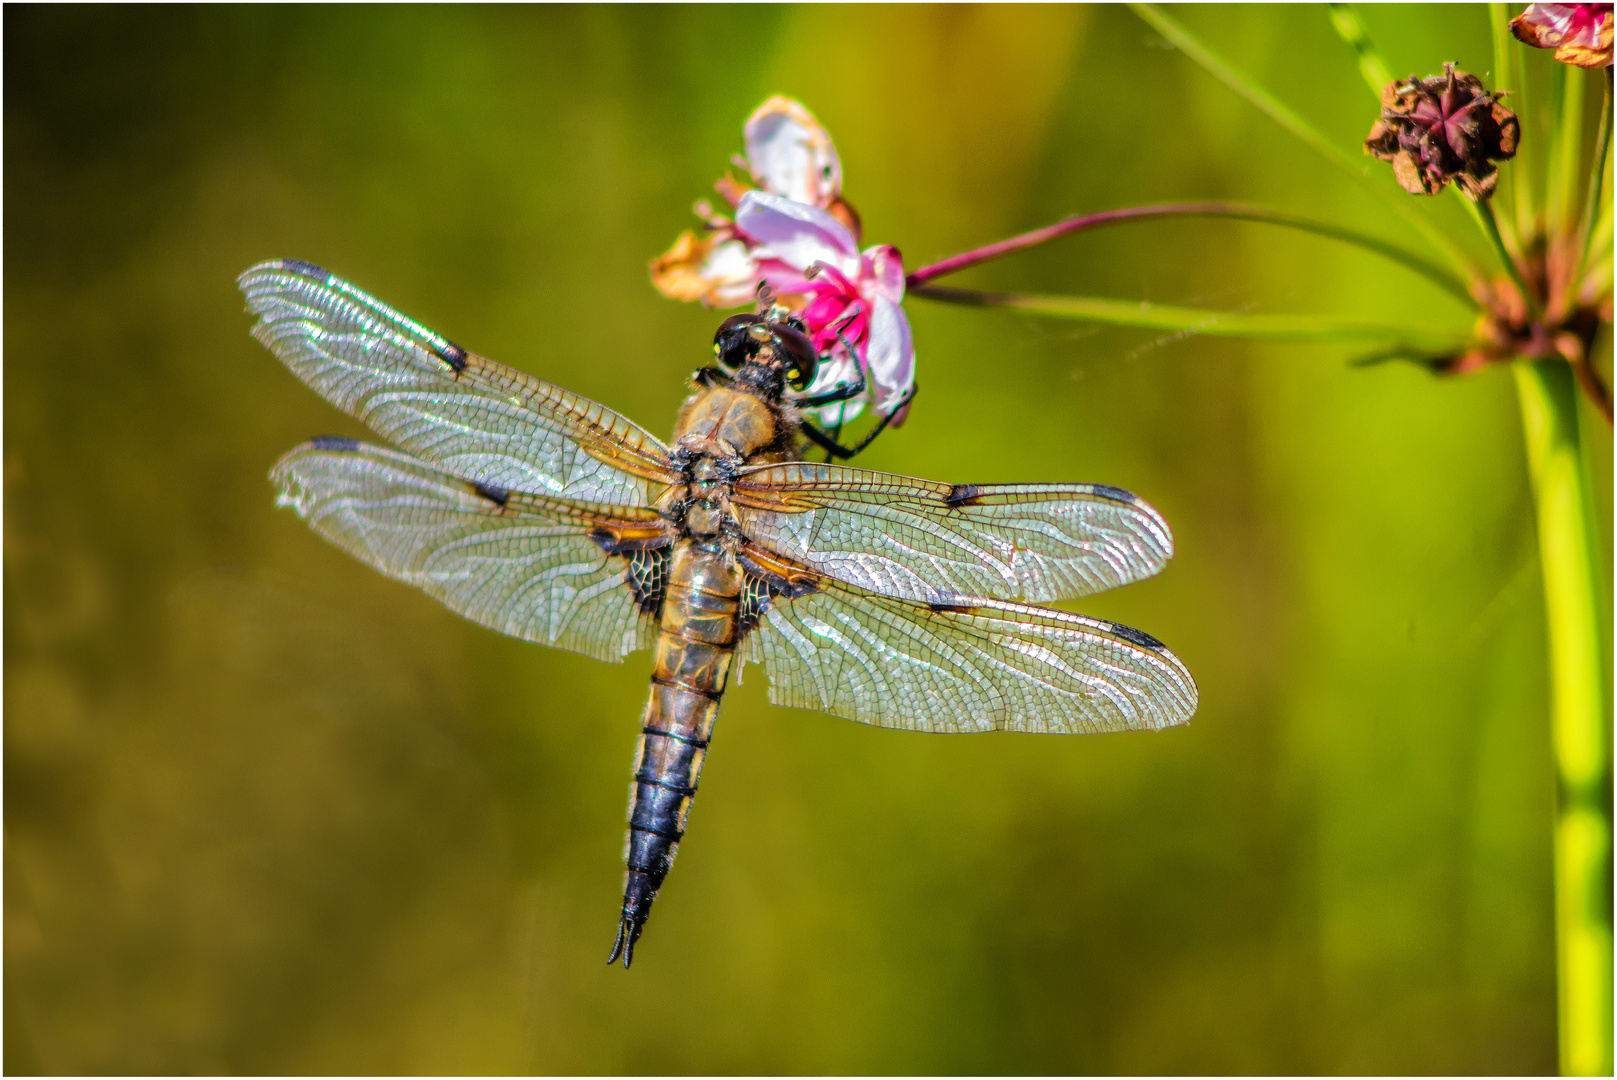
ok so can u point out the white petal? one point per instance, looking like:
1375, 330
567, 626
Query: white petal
790, 154
890, 354
733, 272
796, 233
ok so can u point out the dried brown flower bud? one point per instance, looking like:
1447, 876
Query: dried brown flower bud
1444, 128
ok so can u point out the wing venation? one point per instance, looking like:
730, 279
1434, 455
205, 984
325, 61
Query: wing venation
427, 395
553, 571
928, 541
974, 665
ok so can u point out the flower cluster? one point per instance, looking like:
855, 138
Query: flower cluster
1444, 128
793, 230
1580, 34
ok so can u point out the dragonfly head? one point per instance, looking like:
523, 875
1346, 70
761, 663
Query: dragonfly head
780, 347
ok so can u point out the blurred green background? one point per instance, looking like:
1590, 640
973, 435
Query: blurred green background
267, 811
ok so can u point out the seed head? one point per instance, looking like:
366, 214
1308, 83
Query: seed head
1444, 128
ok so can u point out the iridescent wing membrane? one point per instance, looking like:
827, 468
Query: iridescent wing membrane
537, 568
927, 541
879, 598
431, 398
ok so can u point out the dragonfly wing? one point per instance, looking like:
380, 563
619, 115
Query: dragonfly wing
427, 395
927, 541
976, 665
579, 577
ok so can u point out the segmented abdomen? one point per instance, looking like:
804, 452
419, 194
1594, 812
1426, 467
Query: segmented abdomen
694, 650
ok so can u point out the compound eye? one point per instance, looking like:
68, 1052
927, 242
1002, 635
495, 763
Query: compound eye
735, 322
798, 352
734, 345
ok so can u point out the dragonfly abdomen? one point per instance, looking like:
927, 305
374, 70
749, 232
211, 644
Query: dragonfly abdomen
699, 626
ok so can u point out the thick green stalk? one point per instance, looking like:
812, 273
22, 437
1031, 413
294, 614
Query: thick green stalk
1213, 323
1271, 106
1580, 737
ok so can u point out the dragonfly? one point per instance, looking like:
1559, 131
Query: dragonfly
887, 600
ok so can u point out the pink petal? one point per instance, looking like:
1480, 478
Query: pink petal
796, 233
890, 354
790, 154
786, 279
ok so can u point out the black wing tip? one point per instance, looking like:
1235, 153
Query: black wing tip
963, 494
453, 355
339, 443
1137, 637
1116, 494
294, 266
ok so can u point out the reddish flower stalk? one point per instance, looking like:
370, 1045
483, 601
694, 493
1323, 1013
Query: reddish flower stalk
1083, 222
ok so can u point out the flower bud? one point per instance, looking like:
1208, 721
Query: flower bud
1444, 128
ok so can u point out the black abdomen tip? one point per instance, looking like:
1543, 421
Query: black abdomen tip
628, 934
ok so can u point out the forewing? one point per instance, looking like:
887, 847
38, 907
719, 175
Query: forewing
427, 395
579, 577
982, 666
930, 542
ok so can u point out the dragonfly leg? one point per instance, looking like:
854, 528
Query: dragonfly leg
832, 447
711, 376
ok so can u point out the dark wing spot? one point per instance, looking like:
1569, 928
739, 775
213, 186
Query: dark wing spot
1107, 491
647, 561
340, 443
963, 494
454, 356
307, 269
648, 578
496, 495
756, 598
952, 609
1138, 637
778, 585
614, 544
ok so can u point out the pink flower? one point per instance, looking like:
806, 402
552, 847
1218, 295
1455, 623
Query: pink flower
1580, 34
795, 231
815, 266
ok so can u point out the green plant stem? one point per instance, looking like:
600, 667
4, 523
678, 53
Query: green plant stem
1482, 214
1566, 148
1351, 30
1597, 175
1183, 40
1236, 211
1187, 320
1549, 404
1511, 79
